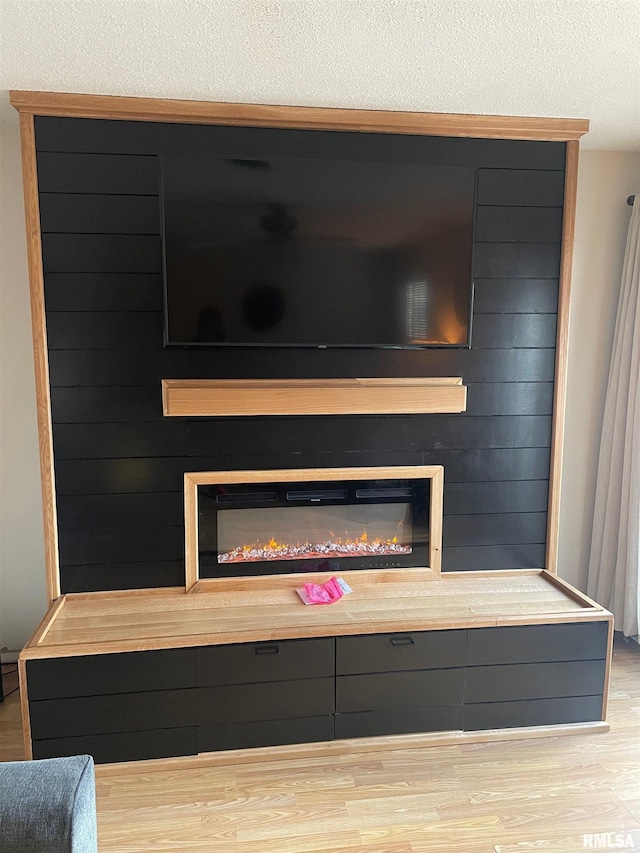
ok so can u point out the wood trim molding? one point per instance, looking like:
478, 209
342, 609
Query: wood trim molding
246, 397
128, 594
24, 709
39, 635
234, 610
571, 591
291, 752
269, 583
435, 473
191, 562
259, 634
607, 672
40, 357
562, 354
314, 118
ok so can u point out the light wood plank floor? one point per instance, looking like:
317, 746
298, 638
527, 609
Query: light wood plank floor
509, 797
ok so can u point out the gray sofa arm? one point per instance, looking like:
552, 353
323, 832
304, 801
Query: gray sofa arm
48, 806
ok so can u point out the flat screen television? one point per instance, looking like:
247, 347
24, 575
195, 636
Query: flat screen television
313, 251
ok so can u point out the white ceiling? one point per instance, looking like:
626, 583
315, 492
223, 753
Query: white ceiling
567, 58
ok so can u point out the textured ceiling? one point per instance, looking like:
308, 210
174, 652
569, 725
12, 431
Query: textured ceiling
568, 58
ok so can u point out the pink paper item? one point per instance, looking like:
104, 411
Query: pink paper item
325, 593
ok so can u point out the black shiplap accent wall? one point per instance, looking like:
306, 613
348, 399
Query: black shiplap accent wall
119, 463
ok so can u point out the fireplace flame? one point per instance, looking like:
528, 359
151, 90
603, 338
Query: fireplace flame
335, 547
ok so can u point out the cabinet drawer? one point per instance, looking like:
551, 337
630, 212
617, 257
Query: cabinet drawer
279, 700
124, 746
401, 651
537, 712
95, 675
418, 689
265, 733
399, 721
538, 643
281, 660
534, 681
126, 712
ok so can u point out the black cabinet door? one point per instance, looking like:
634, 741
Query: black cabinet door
265, 733
392, 690
399, 721
535, 712
400, 651
276, 700
538, 643
95, 675
122, 746
278, 660
534, 681
123, 712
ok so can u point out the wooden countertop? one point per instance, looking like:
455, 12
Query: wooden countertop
101, 623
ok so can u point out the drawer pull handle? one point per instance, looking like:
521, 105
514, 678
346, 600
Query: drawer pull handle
267, 650
402, 641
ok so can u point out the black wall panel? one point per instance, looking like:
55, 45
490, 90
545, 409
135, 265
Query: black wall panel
100, 577
148, 138
77, 512
524, 187
119, 464
494, 529
103, 291
124, 253
105, 545
480, 558
117, 367
499, 497
517, 260
515, 295
518, 224
88, 213
106, 174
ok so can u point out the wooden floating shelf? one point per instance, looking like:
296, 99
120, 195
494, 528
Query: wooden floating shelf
246, 397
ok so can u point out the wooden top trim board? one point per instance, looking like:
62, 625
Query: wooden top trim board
316, 118
301, 475
230, 397
83, 626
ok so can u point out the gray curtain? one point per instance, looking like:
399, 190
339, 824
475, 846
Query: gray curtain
615, 542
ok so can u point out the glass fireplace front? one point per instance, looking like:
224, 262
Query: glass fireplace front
314, 526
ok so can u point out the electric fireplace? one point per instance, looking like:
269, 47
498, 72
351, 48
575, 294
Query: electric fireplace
338, 520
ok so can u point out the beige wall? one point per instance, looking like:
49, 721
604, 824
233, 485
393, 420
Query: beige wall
22, 586
605, 179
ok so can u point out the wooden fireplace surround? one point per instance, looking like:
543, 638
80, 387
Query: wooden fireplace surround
70, 669
433, 473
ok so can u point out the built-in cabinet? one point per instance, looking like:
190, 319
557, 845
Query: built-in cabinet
114, 461
184, 701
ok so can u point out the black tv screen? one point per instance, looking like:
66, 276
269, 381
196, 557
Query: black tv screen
306, 251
